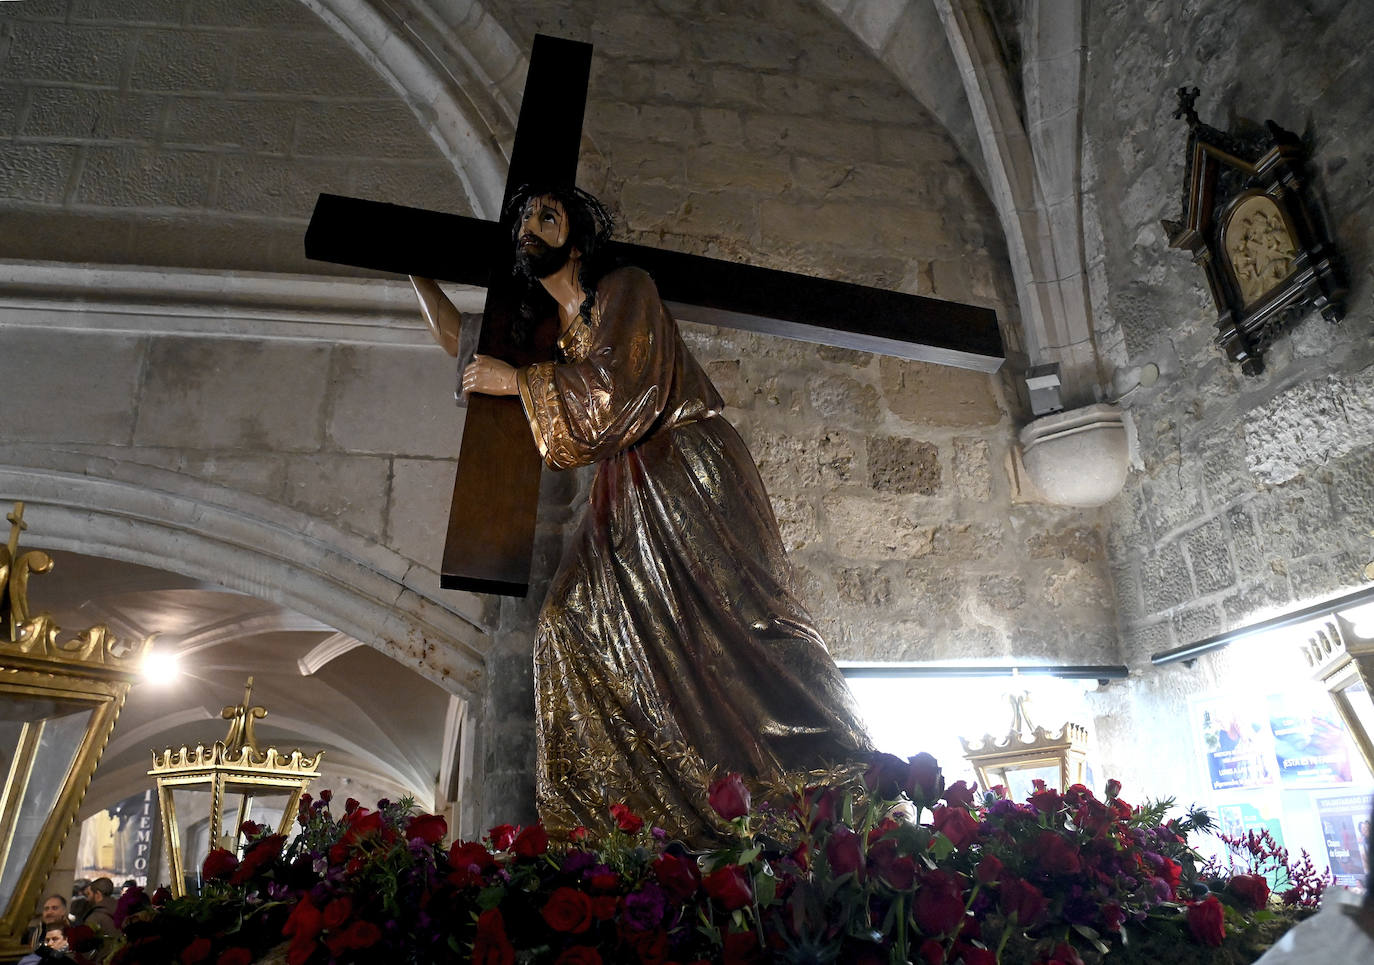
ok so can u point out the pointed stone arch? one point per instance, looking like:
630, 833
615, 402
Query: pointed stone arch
459, 72
153, 517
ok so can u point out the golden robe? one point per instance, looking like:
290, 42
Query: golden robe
671, 648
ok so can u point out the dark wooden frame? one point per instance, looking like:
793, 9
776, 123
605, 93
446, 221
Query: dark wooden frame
1224, 172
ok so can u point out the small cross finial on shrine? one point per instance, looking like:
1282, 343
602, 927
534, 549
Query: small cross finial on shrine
1020, 720
1187, 97
241, 717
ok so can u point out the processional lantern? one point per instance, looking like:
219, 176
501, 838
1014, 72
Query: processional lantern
59, 700
1029, 753
207, 793
1342, 661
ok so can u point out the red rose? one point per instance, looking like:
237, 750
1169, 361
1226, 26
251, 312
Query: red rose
578, 834
502, 836
1205, 921
885, 775
650, 946
896, 871
1046, 800
238, 955
956, 824
362, 821
729, 886
1113, 917
568, 910
161, 896
820, 805
362, 934
741, 948
606, 880
973, 955
1113, 788
844, 851
881, 828
337, 912
491, 946
429, 828
300, 951
729, 797
1061, 954
960, 795
1055, 855
469, 855
604, 907
625, 819
304, 922
924, 782
259, 854
531, 842
218, 864
989, 870
939, 905
1251, 889
931, 952
678, 876
1172, 872
1078, 795
1023, 901
578, 955
197, 951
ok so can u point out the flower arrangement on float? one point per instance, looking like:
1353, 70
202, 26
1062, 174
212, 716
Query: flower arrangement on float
896, 868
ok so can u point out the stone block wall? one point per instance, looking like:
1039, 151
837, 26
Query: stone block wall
1255, 495
193, 133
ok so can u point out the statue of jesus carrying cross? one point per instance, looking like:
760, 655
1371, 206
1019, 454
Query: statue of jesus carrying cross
671, 645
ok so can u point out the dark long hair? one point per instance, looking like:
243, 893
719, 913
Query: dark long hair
589, 231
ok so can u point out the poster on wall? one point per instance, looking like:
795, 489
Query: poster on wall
1233, 736
1310, 744
117, 843
1236, 820
1346, 829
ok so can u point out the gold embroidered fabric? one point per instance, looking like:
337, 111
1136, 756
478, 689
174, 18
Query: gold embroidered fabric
671, 643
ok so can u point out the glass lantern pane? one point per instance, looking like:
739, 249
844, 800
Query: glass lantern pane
39, 740
193, 831
261, 805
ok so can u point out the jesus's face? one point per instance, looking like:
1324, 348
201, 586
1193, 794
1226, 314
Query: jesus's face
542, 242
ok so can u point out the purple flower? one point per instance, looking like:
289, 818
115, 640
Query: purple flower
577, 862
659, 834
644, 908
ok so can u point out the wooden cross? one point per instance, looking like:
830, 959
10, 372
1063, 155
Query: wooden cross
492, 516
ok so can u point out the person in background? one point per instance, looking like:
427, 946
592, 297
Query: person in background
53, 912
99, 913
1343, 931
53, 948
77, 907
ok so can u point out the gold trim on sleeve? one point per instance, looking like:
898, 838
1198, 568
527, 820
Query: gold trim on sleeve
522, 382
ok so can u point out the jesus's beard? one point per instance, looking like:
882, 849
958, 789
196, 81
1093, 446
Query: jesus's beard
536, 259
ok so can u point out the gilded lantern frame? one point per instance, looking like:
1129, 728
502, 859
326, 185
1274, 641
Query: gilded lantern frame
90, 669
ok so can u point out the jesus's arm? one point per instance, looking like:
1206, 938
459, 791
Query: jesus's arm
443, 319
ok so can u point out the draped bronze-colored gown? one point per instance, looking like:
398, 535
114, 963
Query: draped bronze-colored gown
671, 648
